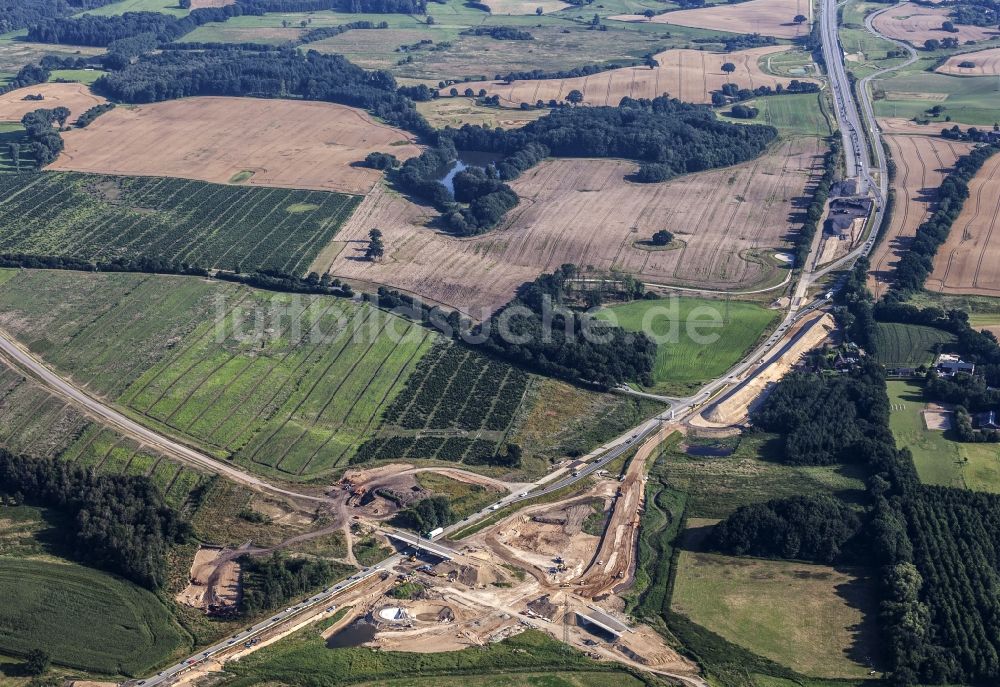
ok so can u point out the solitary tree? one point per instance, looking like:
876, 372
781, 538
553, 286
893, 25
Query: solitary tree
649, 14
37, 662
662, 238
15, 156
376, 249
949, 27
539, 11
60, 114
574, 97
595, 20
728, 67
430, 20
800, 19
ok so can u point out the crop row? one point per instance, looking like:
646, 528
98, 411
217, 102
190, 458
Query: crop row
457, 388
213, 225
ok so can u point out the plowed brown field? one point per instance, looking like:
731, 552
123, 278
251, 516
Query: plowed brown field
916, 24
921, 164
74, 96
585, 212
969, 261
690, 75
987, 63
283, 143
767, 17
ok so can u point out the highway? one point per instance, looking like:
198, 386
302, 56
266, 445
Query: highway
858, 135
243, 638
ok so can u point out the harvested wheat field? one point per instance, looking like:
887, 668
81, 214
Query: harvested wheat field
585, 212
74, 96
987, 63
690, 75
916, 24
524, 6
767, 17
969, 261
921, 164
201, 4
900, 125
283, 143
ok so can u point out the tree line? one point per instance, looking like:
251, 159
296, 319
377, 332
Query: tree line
917, 262
121, 523
19, 14
269, 582
284, 73
500, 33
550, 345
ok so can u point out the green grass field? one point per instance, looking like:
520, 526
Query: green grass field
940, 460
685, 360
84, 618
303, 659
815, 619
907, 345
967, 100
100, 217
792, 115
716, 486
84, 76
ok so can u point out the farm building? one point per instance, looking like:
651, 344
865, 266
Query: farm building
948, 364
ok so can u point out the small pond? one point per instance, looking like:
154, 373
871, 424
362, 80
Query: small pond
466, 159
355, 634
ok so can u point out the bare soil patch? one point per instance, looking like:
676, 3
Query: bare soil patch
767, 17
987, 63
587, 213
74, 96
214, 580
916, 24
284, 143
921, 164
969, 261
690, 75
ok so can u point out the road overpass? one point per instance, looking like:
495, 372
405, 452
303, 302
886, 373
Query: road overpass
421, 544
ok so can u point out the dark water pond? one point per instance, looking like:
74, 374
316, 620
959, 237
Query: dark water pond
466, 159
708, 451
355, 634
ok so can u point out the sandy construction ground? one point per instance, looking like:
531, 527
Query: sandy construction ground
969, 261
283, 143
74, 96
987, 63
916, 24
921, 164
734, 407
586, 213
767, 17
214, 580
690, 75
524, 6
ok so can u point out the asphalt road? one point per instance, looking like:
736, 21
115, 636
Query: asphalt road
856, 139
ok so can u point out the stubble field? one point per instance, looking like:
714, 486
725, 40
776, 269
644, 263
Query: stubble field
922, 162
987, 63
767, 17
916, 24
585, 212
690, 75
280, 143
75, 96
969, 261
